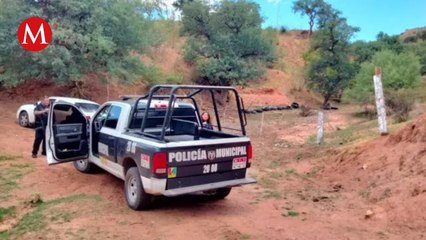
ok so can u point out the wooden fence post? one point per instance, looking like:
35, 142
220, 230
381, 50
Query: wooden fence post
380, 101
320, 128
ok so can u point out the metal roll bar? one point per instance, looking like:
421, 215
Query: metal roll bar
172, 97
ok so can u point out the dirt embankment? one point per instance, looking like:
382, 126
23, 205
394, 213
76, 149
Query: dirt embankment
389, 173
93, 88
285, 82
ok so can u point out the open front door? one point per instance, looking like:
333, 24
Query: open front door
66, 134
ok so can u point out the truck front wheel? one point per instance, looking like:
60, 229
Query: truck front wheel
136, 196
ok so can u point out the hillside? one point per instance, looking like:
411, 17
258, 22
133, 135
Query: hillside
284, 83
413, 32
281, 84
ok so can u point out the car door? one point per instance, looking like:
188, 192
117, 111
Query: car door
66, 134
108, 135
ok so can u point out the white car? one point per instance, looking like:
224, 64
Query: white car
25, 113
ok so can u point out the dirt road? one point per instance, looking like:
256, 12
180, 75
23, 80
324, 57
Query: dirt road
291, 201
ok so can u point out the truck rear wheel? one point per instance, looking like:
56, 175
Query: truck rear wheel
136, 196
83, 166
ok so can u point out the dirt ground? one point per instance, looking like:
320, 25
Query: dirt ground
303, 191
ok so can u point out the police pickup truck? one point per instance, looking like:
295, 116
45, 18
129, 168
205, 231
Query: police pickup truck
156, 143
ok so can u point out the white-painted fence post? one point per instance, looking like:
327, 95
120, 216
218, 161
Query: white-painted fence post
320, 128
380, 101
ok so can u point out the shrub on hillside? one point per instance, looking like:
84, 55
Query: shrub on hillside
419, 50
270, 35
410, 39
154, 75
401, 103
399, 71
422, 35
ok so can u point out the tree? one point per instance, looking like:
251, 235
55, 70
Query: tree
330, 70
226, 45
88, 36
178, 4
362, 51
392, 43
311, 8
419, 49
400, 71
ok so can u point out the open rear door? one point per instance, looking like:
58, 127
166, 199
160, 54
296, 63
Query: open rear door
66, 134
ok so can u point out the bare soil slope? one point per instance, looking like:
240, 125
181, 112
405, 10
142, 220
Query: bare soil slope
284, 83
389, 173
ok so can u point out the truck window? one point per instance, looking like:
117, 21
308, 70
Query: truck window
156, 117
101, 117
113, 116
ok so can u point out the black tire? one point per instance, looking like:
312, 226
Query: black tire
24, 120
84, 166
136, 197
266, 108
295, 105
219, 193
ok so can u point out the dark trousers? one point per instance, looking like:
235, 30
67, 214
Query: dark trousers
39, 138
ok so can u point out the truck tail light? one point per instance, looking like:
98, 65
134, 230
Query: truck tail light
249, 153
159, 163
160, 105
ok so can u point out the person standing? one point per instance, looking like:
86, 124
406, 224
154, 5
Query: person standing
40, 112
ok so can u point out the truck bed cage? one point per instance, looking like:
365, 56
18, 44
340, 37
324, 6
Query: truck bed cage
172, 96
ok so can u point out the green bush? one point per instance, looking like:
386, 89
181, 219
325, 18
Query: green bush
399, 71
422, 35
228, 71
401, 103
154, 75
363, 51
410, 39
419, 50
270, 35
